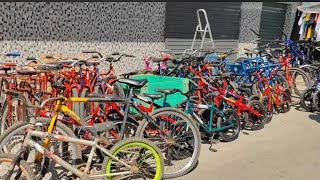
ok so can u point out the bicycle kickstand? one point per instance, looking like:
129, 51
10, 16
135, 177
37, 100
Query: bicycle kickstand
213, 141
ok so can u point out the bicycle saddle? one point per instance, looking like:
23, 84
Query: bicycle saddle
126, 75
134, 83
49, 67
167, 91
214, 94
153, 96
92, 63
242, 89
100, 127
26, 72
226, 74
246, 85
4, 68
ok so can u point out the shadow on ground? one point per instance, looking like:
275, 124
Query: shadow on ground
315, 117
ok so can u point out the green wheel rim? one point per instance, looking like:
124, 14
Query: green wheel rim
151, 149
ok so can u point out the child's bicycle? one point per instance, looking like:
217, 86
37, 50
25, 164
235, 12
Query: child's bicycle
274, 97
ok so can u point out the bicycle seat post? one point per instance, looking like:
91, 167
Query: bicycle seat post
130, 95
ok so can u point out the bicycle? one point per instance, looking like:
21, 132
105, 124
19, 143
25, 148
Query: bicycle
192, 129
113, 162
274, 97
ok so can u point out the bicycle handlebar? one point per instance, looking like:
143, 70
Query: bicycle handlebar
26, 102
91, 52
254, 32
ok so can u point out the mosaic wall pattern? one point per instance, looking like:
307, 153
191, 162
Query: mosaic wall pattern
67, 28
250, 19
290, 16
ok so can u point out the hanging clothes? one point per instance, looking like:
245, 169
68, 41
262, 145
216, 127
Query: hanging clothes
317, 27
301, 23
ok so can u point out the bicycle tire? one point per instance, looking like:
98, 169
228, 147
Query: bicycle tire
5, 113
196, 134
316, 101
24, 167
237, 126
286, 97
18, 129
306, 78
262, 110
307, 95
265, 102
132, 142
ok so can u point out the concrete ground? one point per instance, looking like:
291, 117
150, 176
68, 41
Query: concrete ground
286, 149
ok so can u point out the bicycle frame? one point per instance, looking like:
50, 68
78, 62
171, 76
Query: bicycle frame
29, 142
213, 111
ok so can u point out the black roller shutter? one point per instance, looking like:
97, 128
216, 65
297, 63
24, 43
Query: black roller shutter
181, 19
181, 22
272, 17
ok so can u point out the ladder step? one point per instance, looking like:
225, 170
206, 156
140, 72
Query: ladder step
203, 41
201, 31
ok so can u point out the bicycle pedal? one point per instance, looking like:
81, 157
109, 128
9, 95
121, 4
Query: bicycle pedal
245, 133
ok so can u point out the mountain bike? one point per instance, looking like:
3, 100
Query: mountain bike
132, 158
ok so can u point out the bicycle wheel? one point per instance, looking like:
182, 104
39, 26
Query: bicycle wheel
232, 133
11, 141
178, 138
12, 116
142, 155
316, 101
265, 102
22, 170
306, 99
300, 80
281, 80
256, 122
286, 100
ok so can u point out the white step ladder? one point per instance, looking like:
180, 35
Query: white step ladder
203, 31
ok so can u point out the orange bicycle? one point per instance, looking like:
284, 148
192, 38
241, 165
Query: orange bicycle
274, 97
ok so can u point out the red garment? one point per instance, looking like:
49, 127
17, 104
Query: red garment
317, 17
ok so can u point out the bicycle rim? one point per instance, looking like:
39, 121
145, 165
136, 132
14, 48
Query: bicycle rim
122, 151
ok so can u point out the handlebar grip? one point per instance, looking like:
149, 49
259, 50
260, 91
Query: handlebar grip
31, 59
49, 57
156, 60
76, 59
254, 32
13, 54
10, 64
115, 54
128, 55
89, 51
95, 57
